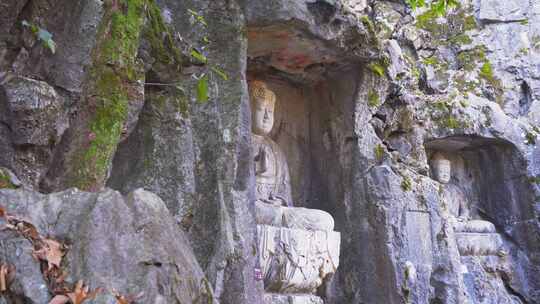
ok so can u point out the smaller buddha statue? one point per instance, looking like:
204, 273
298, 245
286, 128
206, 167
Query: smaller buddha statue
474, 236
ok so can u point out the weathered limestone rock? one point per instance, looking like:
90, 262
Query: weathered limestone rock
34, 112
28, 281
356, 6
33, 117
131, 244
474, 243
159, 155
380, 81
397, 62
111, 91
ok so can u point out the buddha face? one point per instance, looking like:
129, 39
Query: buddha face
263, 117
263, 101
442, 168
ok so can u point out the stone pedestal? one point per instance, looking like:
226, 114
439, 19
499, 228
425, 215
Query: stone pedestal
274, 298
479, 244
295, 261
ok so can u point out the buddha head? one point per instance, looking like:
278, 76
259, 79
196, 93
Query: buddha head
441, 168
263, 101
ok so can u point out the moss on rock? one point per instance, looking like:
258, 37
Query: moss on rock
161, 38
110, 85
5, 181
373, 98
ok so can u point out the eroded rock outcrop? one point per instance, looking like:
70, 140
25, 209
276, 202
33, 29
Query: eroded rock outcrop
154, 94
130, 244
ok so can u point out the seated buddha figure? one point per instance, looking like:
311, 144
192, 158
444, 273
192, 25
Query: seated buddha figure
473, 236
274, 205
297, 246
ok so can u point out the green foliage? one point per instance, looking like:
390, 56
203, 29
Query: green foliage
377, 68
161, 38
442, 114
451, 31
199, 56
486, 71
5, 181
437, 7
524, 51
202, 89
163, 44
469, 59
115, 68
203, 79
534, 179
414, 4
406, 183
42, 35
379, 152
451, 122
431, 60
368, 24
219, 72
373, 98
198, 17
460, 39
530, 138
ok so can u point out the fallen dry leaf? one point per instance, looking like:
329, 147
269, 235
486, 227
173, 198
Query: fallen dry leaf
6, 276
129, 299
3, 278
50, 252
29, 231
81, 293
59, 299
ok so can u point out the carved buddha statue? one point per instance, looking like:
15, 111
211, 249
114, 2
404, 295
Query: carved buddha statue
474, 236
297, 246
274, 205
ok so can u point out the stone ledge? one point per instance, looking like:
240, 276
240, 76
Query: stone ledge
478, 243
274, 298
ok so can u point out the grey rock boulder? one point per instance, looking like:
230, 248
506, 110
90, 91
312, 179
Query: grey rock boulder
130, 244
28, 285
34, 111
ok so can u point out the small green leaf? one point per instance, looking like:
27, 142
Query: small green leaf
41, 34
198, 17
202, 89
199, 56
439, 7
220, 72
51, 45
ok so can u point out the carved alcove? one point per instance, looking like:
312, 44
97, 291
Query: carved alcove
491, 176
313, 116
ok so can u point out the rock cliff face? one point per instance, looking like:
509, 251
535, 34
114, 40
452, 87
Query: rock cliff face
418, 133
